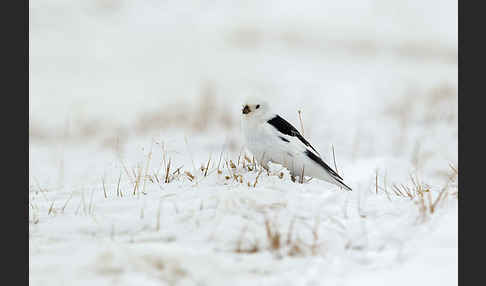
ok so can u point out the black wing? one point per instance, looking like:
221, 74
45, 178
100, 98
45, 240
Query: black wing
319, 161
286, 128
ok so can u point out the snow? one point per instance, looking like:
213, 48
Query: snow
117, 88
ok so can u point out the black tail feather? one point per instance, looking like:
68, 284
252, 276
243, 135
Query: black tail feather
334, 174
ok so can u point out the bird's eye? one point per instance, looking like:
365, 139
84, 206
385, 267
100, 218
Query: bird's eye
258, 106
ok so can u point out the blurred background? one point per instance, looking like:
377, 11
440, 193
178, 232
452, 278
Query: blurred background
374, 78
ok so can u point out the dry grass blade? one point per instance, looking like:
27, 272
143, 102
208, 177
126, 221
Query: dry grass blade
207, 167
422, 209
127, 172
51, 208
248, 160
386, 188
335, 165
454, 169
301, 122
220, 158
147, 167
229, 169
334, 159
189, 176
137, 181
177, 171
239, 157
433, 206
66, 203
301, 179
167, 172
118, 191
256, 179
104, 187
91, 203
397, 190
272, 236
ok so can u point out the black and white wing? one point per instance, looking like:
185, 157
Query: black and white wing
284, 127
289, 134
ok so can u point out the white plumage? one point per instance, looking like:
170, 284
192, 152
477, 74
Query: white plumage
270, 138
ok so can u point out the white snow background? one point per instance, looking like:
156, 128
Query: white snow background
137, 167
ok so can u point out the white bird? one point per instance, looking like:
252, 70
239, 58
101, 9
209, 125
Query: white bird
270, 138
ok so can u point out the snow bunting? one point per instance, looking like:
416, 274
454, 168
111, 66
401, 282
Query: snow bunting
270, 138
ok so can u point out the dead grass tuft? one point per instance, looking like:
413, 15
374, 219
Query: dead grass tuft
421, 194
280, 243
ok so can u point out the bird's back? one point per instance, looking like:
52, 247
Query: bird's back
276, 140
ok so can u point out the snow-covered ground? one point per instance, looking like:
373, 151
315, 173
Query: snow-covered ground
118, 89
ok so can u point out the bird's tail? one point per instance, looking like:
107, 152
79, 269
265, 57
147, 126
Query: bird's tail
329, 174
340, 183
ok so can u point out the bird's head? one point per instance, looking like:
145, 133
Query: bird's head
254, 108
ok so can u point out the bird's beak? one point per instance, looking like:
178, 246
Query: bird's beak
246, 109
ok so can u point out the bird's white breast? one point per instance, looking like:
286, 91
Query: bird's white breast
263, 142
257, 138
